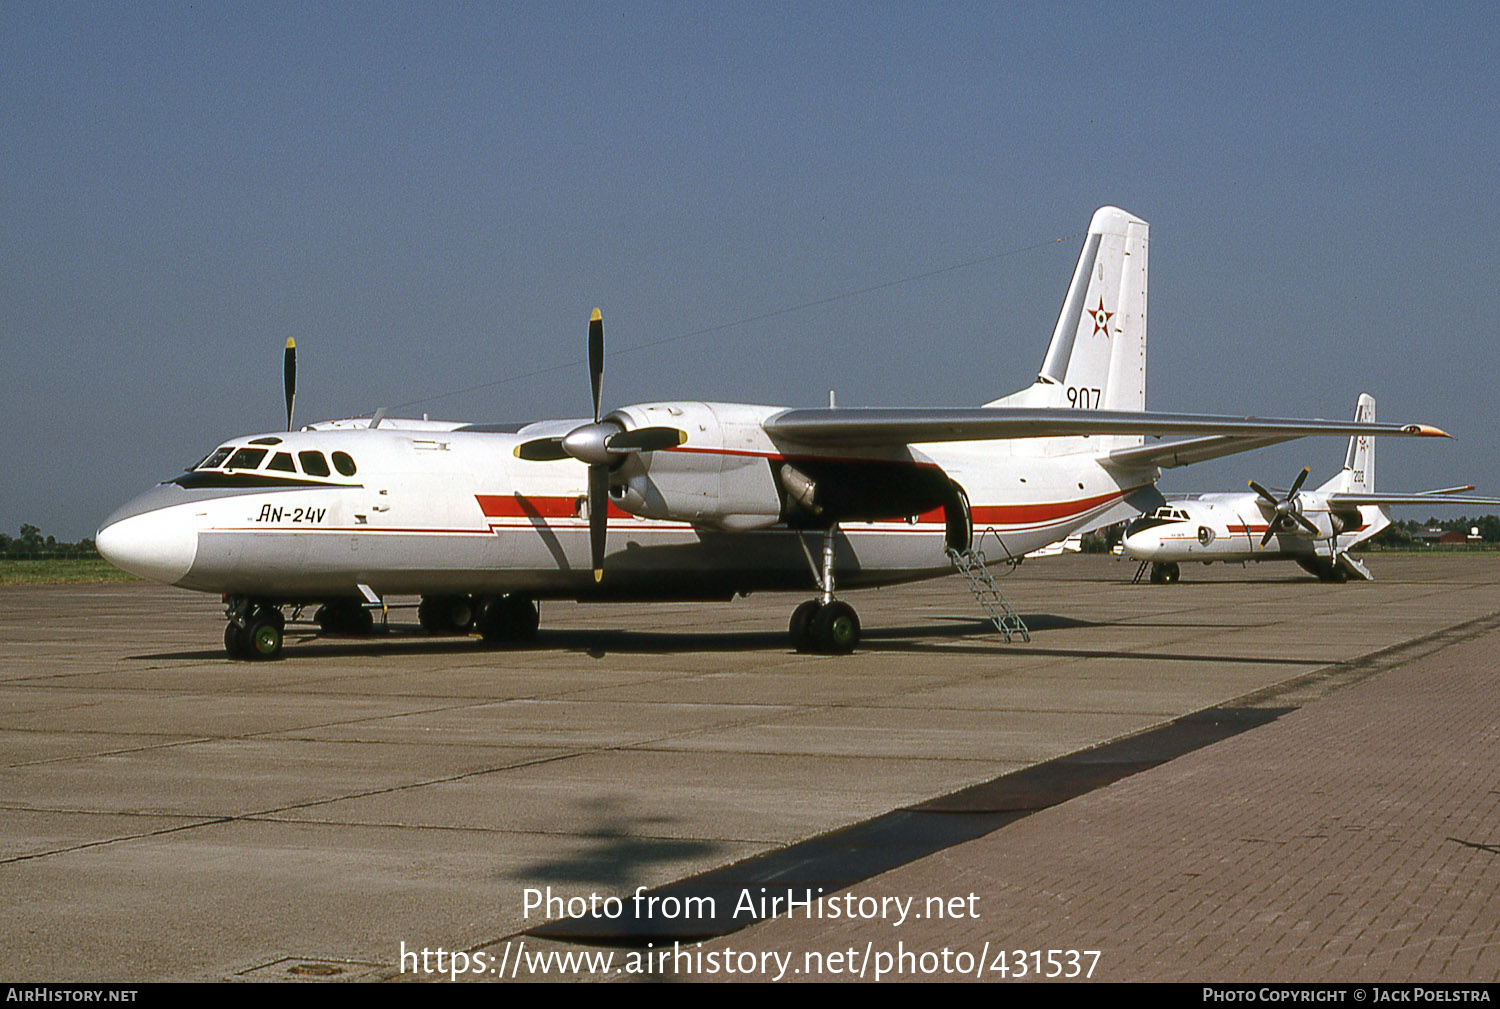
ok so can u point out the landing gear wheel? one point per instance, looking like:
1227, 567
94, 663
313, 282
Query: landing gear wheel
1165, 572
344, 616
235, 643
265, 635
508, 618
256, 634
835, 629
801, 625
446, 614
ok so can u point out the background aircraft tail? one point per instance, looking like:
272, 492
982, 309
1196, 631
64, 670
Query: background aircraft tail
1097, 357
1358, 473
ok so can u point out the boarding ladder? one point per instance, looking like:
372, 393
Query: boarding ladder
971, 564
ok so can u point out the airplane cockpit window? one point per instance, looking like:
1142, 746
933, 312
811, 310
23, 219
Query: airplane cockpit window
313, 463
265, 441
246, 458
283, 462
1171, 514
214, 459
343, 463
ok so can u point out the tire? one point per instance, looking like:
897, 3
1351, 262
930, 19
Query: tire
504, 619
344, 616
264, 637
835, 629
446, 614
1170, 573
801, 626
236, 645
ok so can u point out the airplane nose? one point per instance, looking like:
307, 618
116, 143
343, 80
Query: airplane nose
1141, 545
160, 544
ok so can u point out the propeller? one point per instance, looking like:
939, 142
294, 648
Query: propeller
602, 445
289, 377
1288, 510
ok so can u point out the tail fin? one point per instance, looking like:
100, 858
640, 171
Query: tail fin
1358, 473
1097, 357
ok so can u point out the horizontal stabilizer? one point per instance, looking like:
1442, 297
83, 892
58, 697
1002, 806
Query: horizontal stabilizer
1427, 498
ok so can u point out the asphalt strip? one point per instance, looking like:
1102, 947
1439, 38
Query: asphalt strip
835, 861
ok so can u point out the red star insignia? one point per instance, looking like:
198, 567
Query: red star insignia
1101, 319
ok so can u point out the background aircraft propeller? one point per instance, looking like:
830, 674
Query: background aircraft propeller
289, 377
602, 445
1288, 510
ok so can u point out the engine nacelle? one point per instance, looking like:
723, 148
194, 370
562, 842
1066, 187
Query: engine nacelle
729, 474
1345, 520
721, 477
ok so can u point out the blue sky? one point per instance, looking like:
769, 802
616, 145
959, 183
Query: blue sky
432, 198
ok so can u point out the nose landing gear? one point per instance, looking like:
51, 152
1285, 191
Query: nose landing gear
1165, 572
256, 630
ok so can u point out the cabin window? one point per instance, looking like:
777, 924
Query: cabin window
214, 459
283, 462
313, 463
246, 458
343, 463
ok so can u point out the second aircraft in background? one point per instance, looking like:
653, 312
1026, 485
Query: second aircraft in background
1315, 528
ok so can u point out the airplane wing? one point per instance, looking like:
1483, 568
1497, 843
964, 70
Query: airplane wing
868, 427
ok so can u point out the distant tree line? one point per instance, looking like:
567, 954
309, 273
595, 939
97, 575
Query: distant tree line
1399, 534
31, 545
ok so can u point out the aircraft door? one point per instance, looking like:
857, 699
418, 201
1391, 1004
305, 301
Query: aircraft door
958, 533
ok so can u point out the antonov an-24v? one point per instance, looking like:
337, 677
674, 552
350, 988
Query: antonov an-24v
684, 500
1315, 528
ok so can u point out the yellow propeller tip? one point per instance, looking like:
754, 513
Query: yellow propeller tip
598, 575
598, 316
291, 343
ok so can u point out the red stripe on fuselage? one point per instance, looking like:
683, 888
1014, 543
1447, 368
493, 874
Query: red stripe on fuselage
519, 506
1023, 514
514, 506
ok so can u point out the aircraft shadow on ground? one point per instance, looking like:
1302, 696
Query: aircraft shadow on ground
620, 850
944, 634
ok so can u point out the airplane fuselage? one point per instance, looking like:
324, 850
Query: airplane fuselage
1230, 527
431, 508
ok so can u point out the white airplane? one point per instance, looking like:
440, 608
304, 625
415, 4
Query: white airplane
682, 500
1315, 528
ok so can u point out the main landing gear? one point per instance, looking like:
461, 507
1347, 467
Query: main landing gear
507, 619
497, 619
825, 625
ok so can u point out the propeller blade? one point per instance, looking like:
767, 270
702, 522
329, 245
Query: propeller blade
1306, 523
598, 516
596, 358
1270, 498
541, 450
289, 377
646, 439
1271, 530
1297, 483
